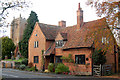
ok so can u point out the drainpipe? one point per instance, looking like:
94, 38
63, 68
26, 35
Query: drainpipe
115, 58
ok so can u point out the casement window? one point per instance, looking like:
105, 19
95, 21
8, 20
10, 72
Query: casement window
58, 59
36, 59
35, 44
80, 59
105, 40
59, 43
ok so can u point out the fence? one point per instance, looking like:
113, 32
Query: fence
101, 70
8, 64
106, 69
97, 70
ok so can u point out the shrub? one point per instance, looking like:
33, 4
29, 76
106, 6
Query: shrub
22, 67
68, 59
51, 67
99, 57
17, 65
25, 62
32, 69
61, 68
30, 64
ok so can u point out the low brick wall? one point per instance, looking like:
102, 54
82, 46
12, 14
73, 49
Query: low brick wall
8, 64
79, 69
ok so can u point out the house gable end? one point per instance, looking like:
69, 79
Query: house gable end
36, 25
59, 37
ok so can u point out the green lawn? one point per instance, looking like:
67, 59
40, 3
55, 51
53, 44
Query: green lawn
14, 60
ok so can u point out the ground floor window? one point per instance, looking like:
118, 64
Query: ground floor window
36, 59
58, 59
80, 59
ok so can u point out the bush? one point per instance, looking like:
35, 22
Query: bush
32, 69
99, 57
17, 65
22, 67
30, 64
25, 62
51, 67
61, 68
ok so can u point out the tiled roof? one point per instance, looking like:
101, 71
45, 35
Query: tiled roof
50, 31
64, 35
50, 49
75, 38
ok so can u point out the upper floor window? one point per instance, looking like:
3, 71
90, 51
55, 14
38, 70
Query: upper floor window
59, 43
105, 40
35, 44
80, 59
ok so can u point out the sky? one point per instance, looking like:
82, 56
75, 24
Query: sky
52, 11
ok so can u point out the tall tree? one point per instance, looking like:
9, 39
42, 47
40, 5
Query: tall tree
23, 45
6, 5
108, 8
7, 47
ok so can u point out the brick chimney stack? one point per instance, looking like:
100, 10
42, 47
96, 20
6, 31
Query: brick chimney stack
62, 23
79, 17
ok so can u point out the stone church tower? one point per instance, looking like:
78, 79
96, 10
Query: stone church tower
17, 29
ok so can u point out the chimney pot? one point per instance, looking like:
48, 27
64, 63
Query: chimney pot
79, 17
79, 6
62, 23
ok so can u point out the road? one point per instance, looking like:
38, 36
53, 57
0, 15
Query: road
13, 74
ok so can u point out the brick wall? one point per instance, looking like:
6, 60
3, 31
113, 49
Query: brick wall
41, 46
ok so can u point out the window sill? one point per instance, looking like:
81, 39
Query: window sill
80, 64
58, 47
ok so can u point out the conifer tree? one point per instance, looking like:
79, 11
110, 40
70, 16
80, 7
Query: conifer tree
23, 44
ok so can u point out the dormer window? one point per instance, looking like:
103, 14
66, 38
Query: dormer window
105, 40
59, 43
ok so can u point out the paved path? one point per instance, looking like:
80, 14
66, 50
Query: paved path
13, 74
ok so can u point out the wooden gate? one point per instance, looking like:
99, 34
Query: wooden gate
106, 69
97, 70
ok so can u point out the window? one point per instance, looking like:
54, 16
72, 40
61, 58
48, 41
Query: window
36, 59
80, 59
105, 40
59, 43
58, 60
35, 44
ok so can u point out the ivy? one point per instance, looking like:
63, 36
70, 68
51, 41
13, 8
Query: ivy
68, 59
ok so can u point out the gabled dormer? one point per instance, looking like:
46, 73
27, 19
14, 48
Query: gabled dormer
60, 40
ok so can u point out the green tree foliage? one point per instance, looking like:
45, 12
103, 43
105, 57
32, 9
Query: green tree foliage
7, 47
99, 57
23, 45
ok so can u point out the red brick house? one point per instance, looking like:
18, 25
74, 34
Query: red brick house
78, 40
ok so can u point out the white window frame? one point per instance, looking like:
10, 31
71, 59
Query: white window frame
35, 44
105, 40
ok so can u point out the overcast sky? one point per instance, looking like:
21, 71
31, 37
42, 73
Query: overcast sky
52, 11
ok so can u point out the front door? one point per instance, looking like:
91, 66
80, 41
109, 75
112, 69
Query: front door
52, 58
